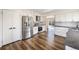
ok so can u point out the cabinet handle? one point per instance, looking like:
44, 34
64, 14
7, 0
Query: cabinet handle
10, 28
14, 28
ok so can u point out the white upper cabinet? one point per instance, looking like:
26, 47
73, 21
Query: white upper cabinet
64, 17
76, 16
60, 18
0, 28
69, 17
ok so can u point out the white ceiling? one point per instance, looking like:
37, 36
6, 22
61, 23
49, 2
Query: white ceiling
42, 10
49, 11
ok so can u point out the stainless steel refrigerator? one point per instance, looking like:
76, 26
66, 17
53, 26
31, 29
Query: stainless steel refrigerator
27, 27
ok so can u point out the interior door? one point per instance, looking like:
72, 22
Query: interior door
7, 26
17, 32
0, 28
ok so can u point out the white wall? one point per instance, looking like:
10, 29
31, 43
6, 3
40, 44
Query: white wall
0, 28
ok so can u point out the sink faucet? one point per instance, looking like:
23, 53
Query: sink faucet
77, 27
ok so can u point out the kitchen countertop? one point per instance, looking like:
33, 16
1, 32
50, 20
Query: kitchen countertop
64, 26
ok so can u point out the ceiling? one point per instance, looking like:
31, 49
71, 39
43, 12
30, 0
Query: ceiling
42, 10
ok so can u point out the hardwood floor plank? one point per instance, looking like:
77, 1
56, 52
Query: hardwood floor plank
40, 45
52, 46
31, 43
20, 45
25, 45
45, 44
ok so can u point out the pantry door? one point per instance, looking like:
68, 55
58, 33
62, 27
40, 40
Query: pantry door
7, 26
17, 27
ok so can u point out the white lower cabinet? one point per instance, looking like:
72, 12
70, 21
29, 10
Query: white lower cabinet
0, 28
35, 30
43, 28
60, 31
11, 26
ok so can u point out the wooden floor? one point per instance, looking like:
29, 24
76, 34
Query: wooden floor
37, 42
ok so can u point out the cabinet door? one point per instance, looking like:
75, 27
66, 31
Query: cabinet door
17, 32
44, 28
60, 18
69, 17
76, 17
0, 28
35, 30
7, 27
